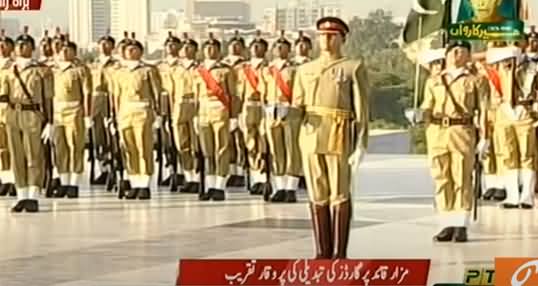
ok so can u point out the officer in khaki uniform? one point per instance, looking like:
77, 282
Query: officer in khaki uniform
166, 68
215, 87
137, 91
184, 115
29, 122
72, 113
102, 87
251, 91
332, 92
451, 138
236, 60
515, 131
7, 180
303, 48
47, 54
57, 42
282, 123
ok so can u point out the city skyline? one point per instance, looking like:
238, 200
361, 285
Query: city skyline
56, 12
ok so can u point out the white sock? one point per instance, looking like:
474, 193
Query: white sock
511, 181
55, 173
33, 192
210, 182
145, 181
7, 177
280, 183
528, 182
220, 183
195, 177
22, 194
292, 183
65, 179
74, 179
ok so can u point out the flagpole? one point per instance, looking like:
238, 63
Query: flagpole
417, 65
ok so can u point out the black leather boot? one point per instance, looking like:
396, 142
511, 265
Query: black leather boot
144, 194
444, 235
321, 222
72, 192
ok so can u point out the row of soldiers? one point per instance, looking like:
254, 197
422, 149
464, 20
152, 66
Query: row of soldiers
226, 116
495, 94
323, 104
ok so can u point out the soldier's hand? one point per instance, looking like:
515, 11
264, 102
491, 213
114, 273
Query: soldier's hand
88, 122
234, 124
414, 115
356, 158
482, 148
196, 124
158, 123
48, 133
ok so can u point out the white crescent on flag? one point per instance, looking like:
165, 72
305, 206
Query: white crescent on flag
421, 10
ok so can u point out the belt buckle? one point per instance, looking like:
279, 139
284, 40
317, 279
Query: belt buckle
18, 106
445, 122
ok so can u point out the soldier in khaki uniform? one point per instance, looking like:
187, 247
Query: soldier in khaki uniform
303, 48
451, 138
236, 60
215, 87
282, 123
515, 131
331, 92
47, 54
72, 113
183, 117
166, 68
57, 42
102, 70
6, 64
136, 96
251, 91
29, 122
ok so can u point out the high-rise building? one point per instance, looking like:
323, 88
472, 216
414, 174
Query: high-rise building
221, 9
132, 16
88, 20
299, 14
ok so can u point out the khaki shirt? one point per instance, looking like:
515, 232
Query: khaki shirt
334, 96
72, 83
38, 80
137, 88
181, 98
210, 106
102, 76
5, 68
166, 68
245, 90
274, 93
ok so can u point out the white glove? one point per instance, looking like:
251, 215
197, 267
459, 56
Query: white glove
414, 115
196, 122
158, 123
109, 124
47, 133
482, 147
356, 158
88, 122
234, 124
242, 123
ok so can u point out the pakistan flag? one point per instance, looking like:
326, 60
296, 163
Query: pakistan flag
432, 15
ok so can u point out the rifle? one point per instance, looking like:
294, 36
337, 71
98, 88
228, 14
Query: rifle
268, 189
477, 186
91, 154
247, 170
173, 153
159, 156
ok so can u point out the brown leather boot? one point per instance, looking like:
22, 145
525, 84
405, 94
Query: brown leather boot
321, 221
341, 223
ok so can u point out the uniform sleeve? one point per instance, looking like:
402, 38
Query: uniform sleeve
360, 100
48, 83
87, 87
231, 88
4, 84
299, 93
156, 89
483, 96
264, 76
428, 102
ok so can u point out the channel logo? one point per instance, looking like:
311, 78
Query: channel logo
516, 271
479, 277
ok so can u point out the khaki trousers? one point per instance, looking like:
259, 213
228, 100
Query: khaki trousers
137, 141
284, 146
186, 143
328, 178
27, 150
451, 156
5, 163
515, 146
215, 143
100, 103
69, 139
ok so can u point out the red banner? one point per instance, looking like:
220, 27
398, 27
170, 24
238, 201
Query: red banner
20, 5
303, 272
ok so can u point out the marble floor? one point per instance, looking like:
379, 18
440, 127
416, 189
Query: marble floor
99, 240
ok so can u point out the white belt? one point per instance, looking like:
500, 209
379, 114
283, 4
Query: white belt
62, 105
211, 104
254, 103
137, 105
100, 93
187, 100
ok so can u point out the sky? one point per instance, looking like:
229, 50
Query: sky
56, 10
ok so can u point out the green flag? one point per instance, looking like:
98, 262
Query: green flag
435, 16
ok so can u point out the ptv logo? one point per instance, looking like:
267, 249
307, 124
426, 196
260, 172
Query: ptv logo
479, 277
